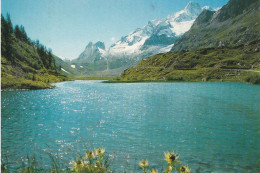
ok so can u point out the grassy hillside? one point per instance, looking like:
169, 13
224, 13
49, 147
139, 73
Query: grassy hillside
60, 64
239, 63
25, 64
20, 75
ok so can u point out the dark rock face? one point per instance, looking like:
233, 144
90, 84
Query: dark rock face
235, 8
91, 53
159, 40
234, 24
100, 45
205, 17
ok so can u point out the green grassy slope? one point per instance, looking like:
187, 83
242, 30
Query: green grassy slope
71, 72
20, 75
208, 64
25, 64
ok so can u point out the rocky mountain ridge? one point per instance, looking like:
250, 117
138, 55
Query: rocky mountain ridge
236, 23
158, 36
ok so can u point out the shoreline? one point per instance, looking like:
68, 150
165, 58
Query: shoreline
173, 81
36, 85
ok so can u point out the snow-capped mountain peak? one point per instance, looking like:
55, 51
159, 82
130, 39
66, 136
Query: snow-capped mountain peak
92, 52
158, 36
193, 8
190, 12
98, 44
158, 33
208, 8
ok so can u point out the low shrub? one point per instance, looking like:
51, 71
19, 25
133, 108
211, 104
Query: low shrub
253, 78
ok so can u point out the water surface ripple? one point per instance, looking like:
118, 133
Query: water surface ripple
214, 126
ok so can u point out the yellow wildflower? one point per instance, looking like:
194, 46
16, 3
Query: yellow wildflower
144, 163
168, 169
184, 169
154, 171
170, 157
90, 155
77, 165
100, 151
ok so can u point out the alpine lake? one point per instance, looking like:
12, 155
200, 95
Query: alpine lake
213, 126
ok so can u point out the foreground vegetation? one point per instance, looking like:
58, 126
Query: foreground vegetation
25, 64
96, 161
240, 63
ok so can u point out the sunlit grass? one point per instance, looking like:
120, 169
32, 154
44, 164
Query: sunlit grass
207, 64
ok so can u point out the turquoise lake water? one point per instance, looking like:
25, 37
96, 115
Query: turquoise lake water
215, 127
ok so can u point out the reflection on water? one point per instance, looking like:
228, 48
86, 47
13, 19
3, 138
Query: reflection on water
214, 126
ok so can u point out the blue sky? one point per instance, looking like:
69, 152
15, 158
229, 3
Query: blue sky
66, 26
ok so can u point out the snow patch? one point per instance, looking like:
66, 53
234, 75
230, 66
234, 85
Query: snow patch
73, 66
64, 70
102, 51
216, 9
208, 8
180, 28
125, 49
64, 58
61, 57
166, 49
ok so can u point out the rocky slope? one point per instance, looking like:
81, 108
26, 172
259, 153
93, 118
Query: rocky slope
92, 53
236, 23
